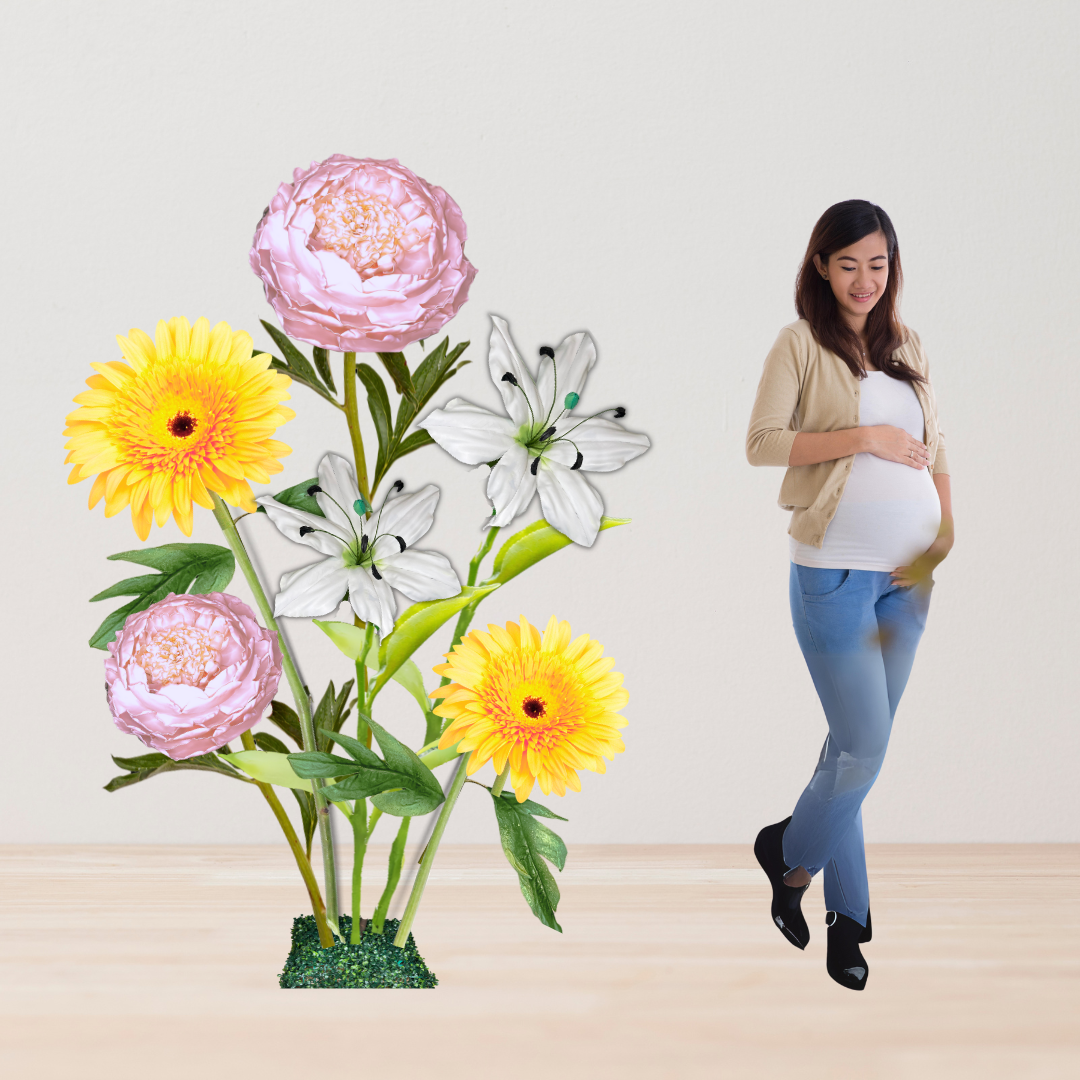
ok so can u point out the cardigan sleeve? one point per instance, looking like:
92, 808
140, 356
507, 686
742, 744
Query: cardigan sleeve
940, 464
771, 431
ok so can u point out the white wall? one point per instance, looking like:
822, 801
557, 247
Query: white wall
648, 172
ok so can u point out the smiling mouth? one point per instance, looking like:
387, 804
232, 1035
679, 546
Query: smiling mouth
861, 297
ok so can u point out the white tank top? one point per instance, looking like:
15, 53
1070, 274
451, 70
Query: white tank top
889, 513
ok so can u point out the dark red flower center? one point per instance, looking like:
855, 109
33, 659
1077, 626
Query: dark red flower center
533, 707
182, 425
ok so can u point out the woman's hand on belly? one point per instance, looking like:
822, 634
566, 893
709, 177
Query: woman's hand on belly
895, 444
922, 569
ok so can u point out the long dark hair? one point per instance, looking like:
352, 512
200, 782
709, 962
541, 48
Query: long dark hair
843, 224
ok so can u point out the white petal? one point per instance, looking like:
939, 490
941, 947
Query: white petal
327, 538
470, 433
510, 486
338, 481
313, 590
372, 600
503, 357
566, 374
605, 446
569, 502
420, 575
408, 516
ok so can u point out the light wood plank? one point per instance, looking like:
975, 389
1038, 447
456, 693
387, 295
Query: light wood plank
162, 961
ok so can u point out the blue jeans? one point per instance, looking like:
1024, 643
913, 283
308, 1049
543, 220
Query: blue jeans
858, 632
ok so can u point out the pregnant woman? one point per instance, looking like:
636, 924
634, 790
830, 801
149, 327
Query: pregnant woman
845, 403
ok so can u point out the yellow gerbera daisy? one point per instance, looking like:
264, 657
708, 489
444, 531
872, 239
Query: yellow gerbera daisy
190, 412
548, 707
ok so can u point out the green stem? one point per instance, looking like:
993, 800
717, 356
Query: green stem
353, 418
360, 839
429, 853
393, 876
467, 613
300, 696
500, 783
326, 938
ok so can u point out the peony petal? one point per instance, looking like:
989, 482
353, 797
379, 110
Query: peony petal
569, 502
471, 434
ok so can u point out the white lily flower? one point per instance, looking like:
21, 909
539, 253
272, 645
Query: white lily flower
539, 445
368, 552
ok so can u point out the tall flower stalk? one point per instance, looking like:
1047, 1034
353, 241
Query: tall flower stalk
300, 696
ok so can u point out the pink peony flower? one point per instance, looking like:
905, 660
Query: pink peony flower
191, 672
359, 255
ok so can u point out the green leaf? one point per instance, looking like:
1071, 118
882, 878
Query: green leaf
298, 363
415, 799
184, 568
270, 768
414, 442
322, 362
287, 720
265, 741
308, 815
361, 754
535, 542
394, 362
410, 788
147, 765
313, 764
526, 844
331, 712
417, 623
379, 407
350, 640
298, 498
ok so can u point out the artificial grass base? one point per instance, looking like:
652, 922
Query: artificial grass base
375, 963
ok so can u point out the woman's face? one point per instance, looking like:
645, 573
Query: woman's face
858, 275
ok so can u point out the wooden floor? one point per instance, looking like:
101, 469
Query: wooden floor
162, 962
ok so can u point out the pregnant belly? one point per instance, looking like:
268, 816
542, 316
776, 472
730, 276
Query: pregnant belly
881, 535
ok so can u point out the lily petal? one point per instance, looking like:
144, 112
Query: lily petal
566, 374
503, 357
313, 590
605, 446
372, 600
420, 575
570, 503
340, 491
511, 485
470, 433
407, 516
329, 539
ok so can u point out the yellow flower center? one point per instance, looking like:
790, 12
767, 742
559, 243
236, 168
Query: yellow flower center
364, 229
180, 654
533, 698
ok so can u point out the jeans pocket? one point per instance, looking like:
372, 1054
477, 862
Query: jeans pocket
818, 583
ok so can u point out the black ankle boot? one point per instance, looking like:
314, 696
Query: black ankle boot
786, 913
845, 961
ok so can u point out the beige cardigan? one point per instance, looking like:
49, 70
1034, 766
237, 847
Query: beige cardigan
806, 387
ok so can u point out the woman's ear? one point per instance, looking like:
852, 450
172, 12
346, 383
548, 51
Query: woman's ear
820, 268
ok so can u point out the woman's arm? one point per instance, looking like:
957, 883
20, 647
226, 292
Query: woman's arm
882, 440
923, 567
